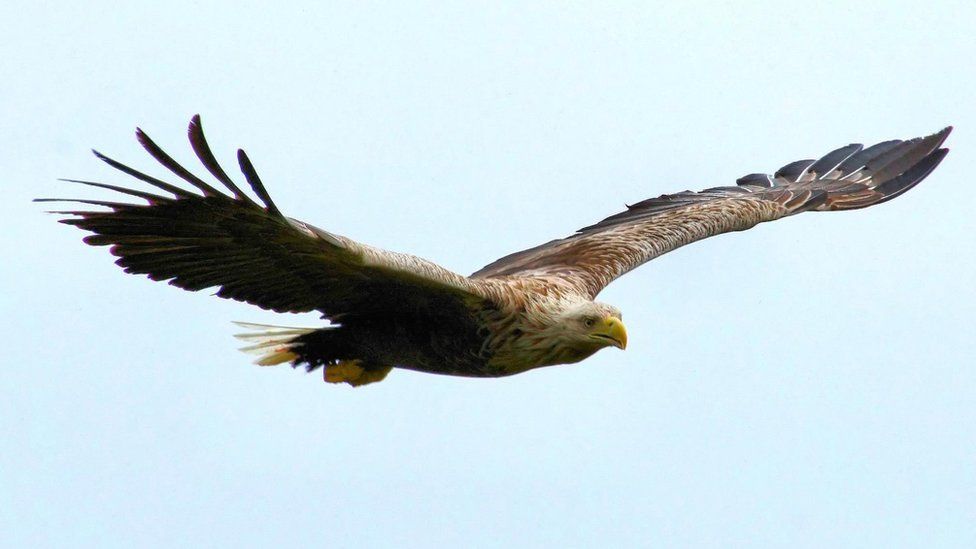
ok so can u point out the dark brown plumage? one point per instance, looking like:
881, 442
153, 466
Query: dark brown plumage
529, 309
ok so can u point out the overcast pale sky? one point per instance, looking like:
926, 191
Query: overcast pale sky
808, 383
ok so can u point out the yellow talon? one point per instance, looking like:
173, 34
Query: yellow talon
351, 372
370, 376
344, 370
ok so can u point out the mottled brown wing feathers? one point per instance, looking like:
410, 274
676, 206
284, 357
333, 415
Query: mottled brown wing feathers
252, 252
849, 177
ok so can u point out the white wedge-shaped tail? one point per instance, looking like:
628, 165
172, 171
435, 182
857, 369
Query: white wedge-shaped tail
273, 343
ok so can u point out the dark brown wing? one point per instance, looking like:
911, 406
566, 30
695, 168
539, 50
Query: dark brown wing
252, 252
847, 178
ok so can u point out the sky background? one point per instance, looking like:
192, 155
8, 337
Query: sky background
808, 383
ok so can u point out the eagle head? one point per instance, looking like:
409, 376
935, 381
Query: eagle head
592, 326
561, 333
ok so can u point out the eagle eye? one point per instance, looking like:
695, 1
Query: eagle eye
589, 321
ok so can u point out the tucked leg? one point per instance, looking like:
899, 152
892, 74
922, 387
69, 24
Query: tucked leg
354, 372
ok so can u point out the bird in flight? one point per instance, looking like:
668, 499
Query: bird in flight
388, 310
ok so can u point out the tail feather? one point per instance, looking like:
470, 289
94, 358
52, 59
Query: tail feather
275, 344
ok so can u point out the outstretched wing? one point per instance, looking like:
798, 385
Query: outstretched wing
844, 179
253, 253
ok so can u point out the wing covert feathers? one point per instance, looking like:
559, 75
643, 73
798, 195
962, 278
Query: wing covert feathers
201, 236
846, 178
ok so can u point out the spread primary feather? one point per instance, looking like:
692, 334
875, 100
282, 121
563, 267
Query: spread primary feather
529, 309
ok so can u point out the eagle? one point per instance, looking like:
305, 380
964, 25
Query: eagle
388, 310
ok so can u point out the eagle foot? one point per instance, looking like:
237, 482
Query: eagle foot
353, 373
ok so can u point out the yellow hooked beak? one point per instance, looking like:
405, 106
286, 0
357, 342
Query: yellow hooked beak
612, 328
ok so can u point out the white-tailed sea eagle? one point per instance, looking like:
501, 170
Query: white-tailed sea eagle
391, 310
